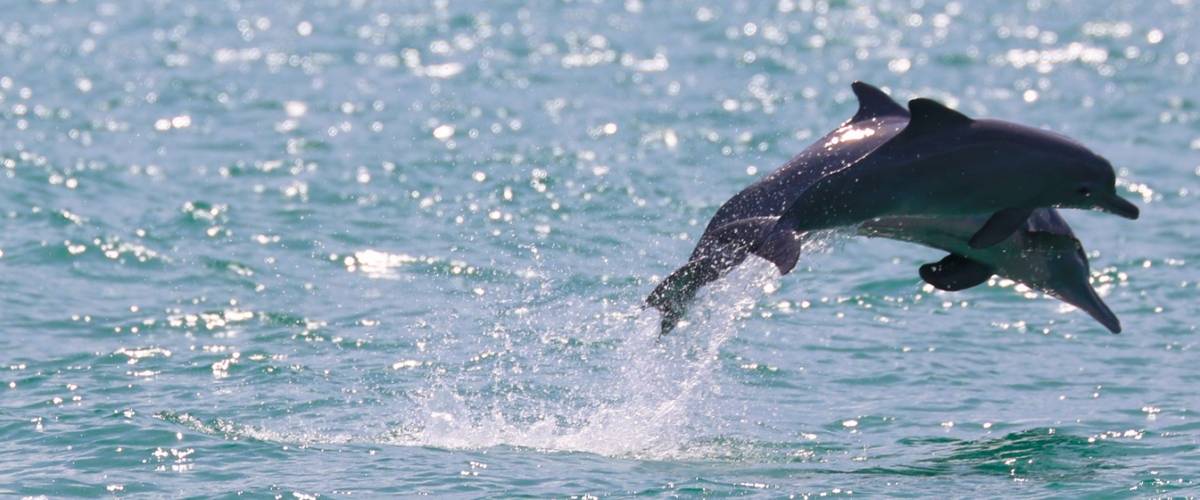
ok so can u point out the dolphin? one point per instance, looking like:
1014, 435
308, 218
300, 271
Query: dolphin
740, 224
944, 163
1044, 254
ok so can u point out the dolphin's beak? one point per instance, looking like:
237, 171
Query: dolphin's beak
1086, 299
1115, 204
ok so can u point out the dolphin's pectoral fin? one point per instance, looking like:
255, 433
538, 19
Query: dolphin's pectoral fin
782, 248
1000, 226
955, 273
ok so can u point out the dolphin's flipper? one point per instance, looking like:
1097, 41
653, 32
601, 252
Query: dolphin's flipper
1000, 226
781, 247
955, 272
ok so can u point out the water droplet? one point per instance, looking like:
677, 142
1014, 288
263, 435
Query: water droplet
443, 132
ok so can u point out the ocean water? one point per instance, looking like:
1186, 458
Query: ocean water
373, 248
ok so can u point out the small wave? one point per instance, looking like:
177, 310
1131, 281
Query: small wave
240, 432
1042, 453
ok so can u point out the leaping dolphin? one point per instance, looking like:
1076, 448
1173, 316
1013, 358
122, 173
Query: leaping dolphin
741, 223
1044, 255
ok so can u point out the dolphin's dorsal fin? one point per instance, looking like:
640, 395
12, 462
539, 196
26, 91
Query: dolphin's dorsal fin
874, 103
929, 115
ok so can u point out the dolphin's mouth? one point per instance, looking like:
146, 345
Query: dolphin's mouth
1115, 204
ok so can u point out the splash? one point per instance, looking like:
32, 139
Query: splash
622, 391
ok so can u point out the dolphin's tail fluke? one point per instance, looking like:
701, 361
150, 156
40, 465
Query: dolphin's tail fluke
675, 293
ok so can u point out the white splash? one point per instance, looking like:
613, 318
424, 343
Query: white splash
656, 397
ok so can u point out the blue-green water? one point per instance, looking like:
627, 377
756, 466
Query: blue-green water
384, 248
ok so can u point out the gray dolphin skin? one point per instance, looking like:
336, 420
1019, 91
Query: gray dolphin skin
945, 164
1044, 255
741, 225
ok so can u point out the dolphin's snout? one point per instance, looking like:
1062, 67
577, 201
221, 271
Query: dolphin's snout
1116, 205
1085, 298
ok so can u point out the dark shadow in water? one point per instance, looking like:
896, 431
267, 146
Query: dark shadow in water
1039, 453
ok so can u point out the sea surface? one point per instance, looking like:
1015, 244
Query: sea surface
373, 248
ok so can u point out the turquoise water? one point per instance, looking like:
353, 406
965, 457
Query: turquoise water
395, 248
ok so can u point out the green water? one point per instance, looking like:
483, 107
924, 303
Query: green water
395, 248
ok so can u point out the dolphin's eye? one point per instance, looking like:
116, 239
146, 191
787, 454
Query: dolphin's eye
1084, 191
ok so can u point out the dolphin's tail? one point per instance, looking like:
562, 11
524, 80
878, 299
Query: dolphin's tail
675, 293
719, 250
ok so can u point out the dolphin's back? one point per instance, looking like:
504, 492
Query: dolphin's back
877, 120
